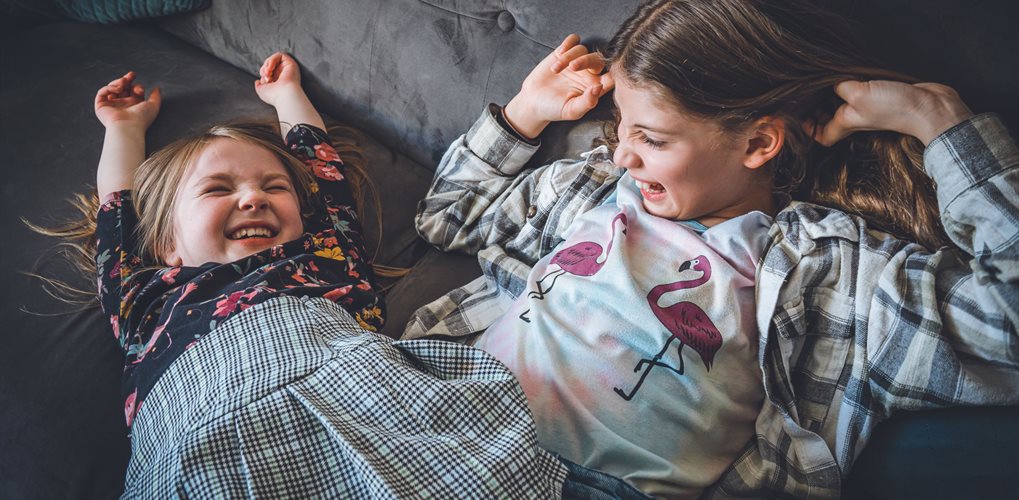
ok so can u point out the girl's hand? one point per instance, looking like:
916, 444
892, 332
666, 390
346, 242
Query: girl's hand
564, 86
279, 78
279, 85
123, 102
922, 110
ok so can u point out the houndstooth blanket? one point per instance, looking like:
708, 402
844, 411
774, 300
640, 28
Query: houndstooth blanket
292, 398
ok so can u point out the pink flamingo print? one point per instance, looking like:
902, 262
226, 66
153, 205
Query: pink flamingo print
581, 259
686, 323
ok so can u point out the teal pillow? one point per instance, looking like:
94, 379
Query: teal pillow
118, 11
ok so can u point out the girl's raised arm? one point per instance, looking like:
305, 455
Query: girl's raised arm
122, 108
279, 85
563, 86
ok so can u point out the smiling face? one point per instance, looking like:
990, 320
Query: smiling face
236, 200
686, 168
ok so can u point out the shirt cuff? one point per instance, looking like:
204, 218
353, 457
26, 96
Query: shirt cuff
497, 146
500, 116
305, 130
968, 154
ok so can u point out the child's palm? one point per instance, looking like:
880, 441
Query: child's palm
567, 83
279, 74
124, 101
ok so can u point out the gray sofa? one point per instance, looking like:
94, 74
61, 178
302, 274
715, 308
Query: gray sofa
413, 75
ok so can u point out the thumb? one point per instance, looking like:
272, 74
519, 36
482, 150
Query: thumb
848, 89
836, 129
155, 97
580, 105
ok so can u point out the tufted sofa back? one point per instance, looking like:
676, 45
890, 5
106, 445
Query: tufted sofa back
416, 73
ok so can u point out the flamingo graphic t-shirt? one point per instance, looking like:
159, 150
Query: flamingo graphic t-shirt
636, 344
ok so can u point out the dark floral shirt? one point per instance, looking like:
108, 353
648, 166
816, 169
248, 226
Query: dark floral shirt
157, 313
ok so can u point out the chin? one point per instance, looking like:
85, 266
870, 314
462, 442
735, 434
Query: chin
665, 213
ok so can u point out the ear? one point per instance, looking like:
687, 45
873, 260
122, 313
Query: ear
172, 259
766, 138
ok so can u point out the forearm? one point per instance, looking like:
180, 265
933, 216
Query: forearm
481, 198
293, 108
976, 168
123, 151
471, 183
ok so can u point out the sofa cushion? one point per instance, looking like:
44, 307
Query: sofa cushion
118, 11
415, 73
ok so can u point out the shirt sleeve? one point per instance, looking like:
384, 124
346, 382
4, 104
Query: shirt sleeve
117, 259
337, 209
482, 195
949, 319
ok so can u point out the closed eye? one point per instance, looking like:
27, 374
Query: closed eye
651, 142
215, 190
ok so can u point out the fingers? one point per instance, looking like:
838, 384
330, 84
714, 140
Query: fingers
566, 58
849, 89
118, 85
277, 67
837, 128
593, 62
125, 80
579, 106
568, 43
270, 68
121, 91
841, 124
608, 83
156, 97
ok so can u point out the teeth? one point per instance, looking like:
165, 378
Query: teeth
651, 187
251, 232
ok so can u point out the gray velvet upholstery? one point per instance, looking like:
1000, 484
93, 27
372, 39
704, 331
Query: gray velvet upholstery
413, 75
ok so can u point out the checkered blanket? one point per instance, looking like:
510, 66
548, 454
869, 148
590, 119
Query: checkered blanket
293, 399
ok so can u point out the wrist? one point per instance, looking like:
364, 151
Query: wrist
519, 116
938, 120
289, 96
126, 127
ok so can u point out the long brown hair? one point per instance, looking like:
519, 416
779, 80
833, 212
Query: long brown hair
155, 190
734, 61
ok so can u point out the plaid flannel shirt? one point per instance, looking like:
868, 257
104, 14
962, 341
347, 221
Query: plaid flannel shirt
854, 323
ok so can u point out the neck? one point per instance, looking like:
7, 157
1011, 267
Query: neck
759, 200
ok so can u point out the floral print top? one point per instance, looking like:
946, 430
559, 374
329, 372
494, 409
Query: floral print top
158, 313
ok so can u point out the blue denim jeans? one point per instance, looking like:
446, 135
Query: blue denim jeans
584, 483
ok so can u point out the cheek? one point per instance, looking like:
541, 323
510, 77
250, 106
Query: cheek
292, 216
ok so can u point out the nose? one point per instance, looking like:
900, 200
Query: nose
253, 199
625, 157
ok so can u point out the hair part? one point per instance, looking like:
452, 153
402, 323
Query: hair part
735, 61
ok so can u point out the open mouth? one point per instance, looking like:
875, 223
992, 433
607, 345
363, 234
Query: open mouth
650, 187
251, 232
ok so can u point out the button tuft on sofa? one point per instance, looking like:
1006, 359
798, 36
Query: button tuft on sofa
505, 21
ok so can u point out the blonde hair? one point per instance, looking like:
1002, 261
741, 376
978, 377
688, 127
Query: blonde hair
156, 184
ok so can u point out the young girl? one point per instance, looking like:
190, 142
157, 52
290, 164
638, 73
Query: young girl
674, 319
233, 271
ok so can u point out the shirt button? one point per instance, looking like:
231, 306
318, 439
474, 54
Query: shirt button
532, 211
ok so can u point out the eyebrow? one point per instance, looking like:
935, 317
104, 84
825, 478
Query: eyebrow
642, 126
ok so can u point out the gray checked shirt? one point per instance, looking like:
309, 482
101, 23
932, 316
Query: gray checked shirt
854, 323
